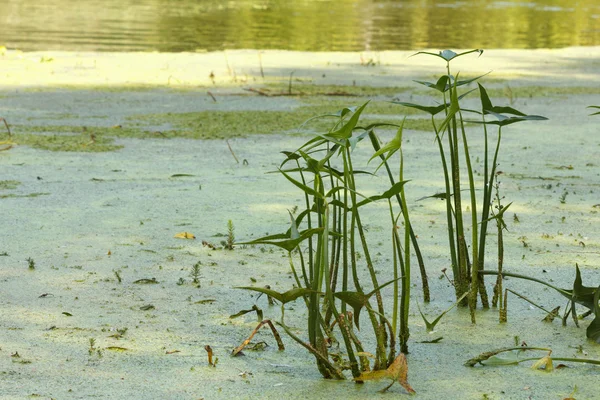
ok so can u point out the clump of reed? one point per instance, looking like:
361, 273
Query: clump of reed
323, 242
328, 232
456, 162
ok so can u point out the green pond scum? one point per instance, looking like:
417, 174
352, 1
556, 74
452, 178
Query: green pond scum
9, 184
311, 100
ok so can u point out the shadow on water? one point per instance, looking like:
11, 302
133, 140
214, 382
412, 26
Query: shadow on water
307, 25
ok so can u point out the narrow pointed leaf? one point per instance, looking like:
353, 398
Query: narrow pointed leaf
503, 120
345, 132
441, 196
454, 108
597, 107
284, 241
583, 295
302, 186
388, 194
284, 297
433, 110
392, 146
294, 234
486, 104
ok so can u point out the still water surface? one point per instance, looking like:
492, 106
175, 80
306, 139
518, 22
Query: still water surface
313, 25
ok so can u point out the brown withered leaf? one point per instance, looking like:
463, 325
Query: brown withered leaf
397, 372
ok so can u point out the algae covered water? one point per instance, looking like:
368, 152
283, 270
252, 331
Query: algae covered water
307, 25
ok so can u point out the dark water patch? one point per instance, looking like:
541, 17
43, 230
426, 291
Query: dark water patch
308, 25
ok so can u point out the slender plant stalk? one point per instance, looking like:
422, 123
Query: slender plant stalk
475, 257
405, 302
449, 211
413, 236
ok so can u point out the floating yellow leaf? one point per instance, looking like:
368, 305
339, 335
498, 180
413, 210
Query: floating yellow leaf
117, 348
397, 372
185, 235
544, 363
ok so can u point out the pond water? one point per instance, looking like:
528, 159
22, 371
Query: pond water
311, 25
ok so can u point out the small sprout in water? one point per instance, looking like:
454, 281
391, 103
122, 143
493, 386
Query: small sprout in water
228, 244
181, 282
92, 348
516, 218
195, 273
563, 197
31, 263
118, 276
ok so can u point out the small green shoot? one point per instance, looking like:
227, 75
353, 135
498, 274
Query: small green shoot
195, 273
430, 326
30, 263
229, 243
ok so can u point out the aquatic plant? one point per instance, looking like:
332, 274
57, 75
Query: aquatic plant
195, 273
586, 296
456, 162
229, 242
328, 252
515, 355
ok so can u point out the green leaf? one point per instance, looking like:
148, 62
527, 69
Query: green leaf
388, 194
358, 300
593, 330
454, 108
449, 55
596, 113
441, 85
441, 196
445, 82
486, 104
584, 295
433, 110
580, 294
302, 186
503, 120
430, 326
392, 146
284, 240
340, 136
284, 297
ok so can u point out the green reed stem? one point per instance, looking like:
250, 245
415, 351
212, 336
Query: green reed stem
449, 212
413, 236
405, 301
474, 234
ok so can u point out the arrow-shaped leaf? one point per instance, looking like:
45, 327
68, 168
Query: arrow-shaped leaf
284, 297
388, 194
357, 300
284, 240
593, 330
